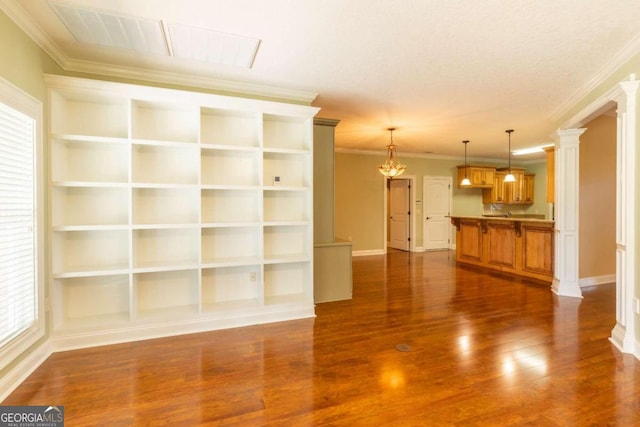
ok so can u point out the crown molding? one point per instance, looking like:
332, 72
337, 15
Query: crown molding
325, 122
228, 86
483, 160
618, 60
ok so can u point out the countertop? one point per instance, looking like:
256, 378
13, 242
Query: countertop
513, 218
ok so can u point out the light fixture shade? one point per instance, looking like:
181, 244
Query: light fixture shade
465, 181
391, 167
509, 177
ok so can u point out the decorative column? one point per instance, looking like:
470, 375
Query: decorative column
567, 171
623, 334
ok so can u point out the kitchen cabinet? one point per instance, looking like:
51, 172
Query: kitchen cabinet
511, 193
514, 191
496, 193
480, 176
523, 247
528, 188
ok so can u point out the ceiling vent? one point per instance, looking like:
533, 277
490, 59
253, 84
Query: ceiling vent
107, 29
149, 36
212, 46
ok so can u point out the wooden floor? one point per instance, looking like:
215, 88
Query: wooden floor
422, 343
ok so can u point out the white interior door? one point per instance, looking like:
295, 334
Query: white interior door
399, 213
436, 210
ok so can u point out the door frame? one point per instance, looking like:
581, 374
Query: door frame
412, 203
424, 190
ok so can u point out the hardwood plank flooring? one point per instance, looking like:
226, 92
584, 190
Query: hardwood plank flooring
483, 350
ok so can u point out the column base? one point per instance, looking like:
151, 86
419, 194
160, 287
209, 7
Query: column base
566, 288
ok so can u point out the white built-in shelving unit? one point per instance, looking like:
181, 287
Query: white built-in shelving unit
166, 216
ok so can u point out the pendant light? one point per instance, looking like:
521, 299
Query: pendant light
509, 177
391, 167
465, 182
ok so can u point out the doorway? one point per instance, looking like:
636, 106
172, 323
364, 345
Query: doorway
399, 214
436, 224
399, 207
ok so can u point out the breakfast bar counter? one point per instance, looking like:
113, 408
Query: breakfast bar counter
518, 245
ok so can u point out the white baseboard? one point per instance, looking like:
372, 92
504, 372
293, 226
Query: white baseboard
596, 280
617, 339
178, 327
368, 252
17, 374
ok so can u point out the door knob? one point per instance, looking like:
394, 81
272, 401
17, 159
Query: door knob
428, 217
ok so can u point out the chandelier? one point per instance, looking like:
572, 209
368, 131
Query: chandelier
391, 167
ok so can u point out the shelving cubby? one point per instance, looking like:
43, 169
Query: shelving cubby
88, 113
91, 303
165, 205
231, 288
165, 218
287, 283
231, 245
291, 168
230, 206
291, 133
89, 206
287, 243
233, 129
160, 164
170, 248
90, 252
230, 167
89, 160
164, 121
167, 294
286, 207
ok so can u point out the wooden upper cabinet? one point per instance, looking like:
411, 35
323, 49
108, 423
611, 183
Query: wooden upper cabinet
514, 191
480, 176
511, 193
496, 193
528, 187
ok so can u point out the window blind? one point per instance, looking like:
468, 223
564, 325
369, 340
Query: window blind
18, 288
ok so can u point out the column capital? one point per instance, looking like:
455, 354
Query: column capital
568, 136
630, 86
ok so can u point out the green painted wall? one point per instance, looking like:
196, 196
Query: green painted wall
360, 195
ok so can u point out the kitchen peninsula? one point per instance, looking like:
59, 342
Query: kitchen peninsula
518, 245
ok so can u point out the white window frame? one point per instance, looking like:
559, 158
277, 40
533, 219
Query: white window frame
17, 99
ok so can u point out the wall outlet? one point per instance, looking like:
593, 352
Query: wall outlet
252, 276
636, 305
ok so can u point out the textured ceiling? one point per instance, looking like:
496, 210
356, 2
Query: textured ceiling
440, 71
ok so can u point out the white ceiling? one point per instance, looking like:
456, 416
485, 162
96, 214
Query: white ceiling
440, 71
